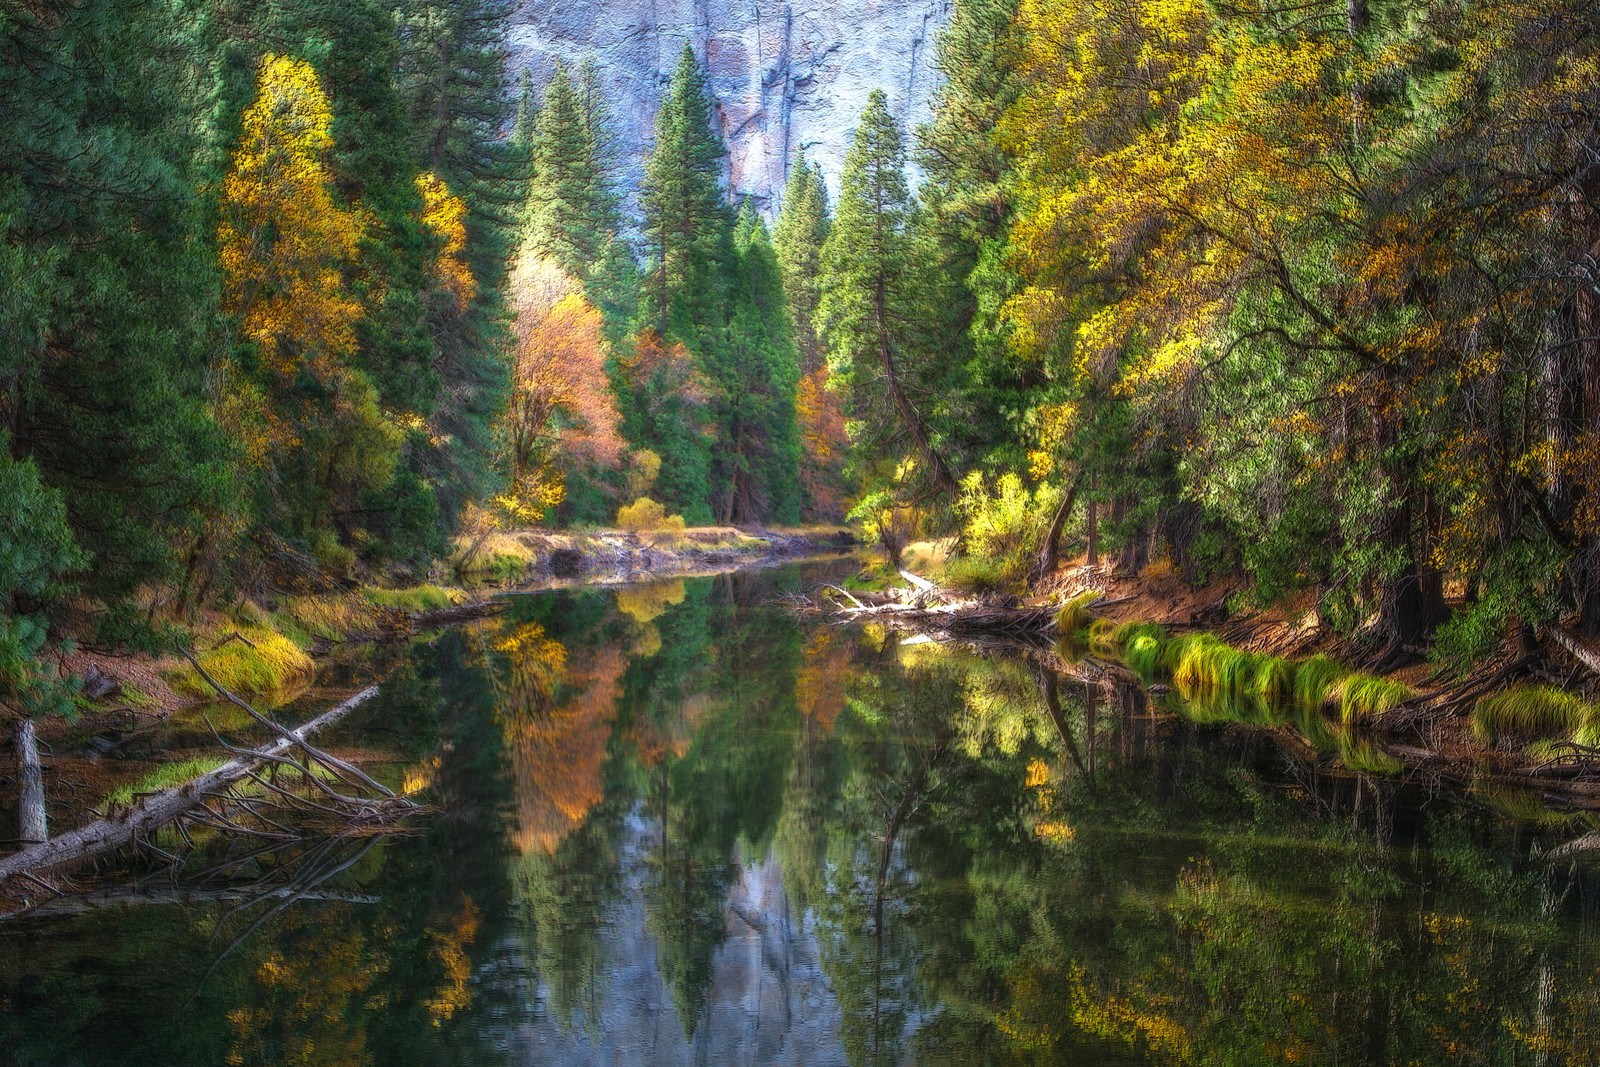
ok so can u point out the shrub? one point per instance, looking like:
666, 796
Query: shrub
979, 575
331, 555
646, 514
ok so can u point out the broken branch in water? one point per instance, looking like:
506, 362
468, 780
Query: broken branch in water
209, 798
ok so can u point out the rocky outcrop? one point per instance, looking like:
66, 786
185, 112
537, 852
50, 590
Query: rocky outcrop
786, 74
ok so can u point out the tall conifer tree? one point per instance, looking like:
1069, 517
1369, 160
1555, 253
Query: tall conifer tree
870, 304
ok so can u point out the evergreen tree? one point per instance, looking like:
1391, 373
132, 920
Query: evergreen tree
452, 77
798, 239
109, 313
871, 306
756, 467
567, 212
686, 219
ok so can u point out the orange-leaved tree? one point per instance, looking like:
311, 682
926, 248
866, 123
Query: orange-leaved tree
562, 416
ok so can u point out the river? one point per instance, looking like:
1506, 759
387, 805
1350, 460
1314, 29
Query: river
677, 824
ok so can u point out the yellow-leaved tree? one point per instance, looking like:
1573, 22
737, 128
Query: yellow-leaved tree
445, 216
287, 247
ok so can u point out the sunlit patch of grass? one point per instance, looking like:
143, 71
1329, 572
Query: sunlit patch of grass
1530, 712
328, 617
1314, 678
498, 557
1074, 614
417, 598
1363, 697
163, 777
264, 662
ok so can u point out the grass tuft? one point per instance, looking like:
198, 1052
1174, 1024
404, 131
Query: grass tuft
1364, 697
1074, 614
1315, 678
415, 599
269, 663
1531, 712
165, 776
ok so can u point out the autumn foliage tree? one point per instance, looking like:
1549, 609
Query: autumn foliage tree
562, 420
311, 422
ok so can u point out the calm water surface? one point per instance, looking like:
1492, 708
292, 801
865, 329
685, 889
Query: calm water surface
679, 826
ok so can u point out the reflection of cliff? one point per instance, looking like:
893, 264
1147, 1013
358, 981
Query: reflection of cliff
769, 1001
557, 755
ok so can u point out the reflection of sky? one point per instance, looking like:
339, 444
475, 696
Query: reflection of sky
769, 1002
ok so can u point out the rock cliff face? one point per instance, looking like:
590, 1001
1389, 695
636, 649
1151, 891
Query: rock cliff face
786, 74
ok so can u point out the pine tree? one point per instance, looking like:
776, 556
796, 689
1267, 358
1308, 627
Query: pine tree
757, 459
870, 304
110, 308
687, 226
566, 208
801, 233
802, 230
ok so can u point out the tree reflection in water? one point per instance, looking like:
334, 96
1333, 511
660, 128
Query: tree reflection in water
680, 826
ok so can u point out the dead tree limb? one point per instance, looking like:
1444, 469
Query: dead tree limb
1577, 647
123, 827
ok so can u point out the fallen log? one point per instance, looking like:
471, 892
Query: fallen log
1577, 647
123, 827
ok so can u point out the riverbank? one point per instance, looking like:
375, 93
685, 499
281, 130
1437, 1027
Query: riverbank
1530, 717
270, 649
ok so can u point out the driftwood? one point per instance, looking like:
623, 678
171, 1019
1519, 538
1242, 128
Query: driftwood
32, 826
125, 827
926, 608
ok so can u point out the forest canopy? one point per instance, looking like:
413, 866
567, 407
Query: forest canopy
1302, 296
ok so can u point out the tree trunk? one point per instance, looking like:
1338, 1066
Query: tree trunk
1044, 564
943, 480
1093, 520
32, 825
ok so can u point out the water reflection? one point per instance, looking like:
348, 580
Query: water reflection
681, 826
